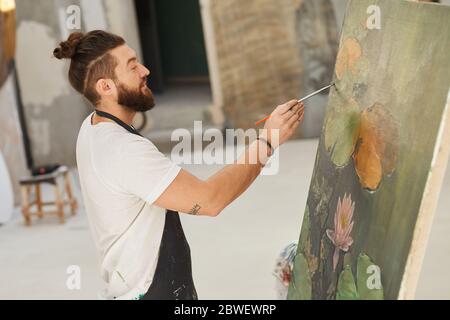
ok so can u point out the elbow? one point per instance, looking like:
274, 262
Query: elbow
215, 202
215, 207
213, 212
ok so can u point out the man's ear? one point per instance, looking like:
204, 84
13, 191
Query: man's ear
104, 87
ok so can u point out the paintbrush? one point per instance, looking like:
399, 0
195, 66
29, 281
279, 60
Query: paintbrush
301, 100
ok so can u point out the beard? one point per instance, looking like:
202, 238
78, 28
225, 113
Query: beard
139, 100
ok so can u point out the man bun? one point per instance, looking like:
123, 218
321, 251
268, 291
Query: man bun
67, 49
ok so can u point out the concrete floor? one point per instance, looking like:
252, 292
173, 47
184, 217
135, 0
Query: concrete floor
233, 255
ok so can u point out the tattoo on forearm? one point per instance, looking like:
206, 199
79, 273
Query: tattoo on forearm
195, 210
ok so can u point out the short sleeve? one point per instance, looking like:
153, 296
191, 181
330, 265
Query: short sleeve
146, 172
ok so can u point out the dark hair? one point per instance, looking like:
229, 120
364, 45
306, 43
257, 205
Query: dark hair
90, 60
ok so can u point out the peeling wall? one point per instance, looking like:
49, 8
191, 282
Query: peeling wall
53, 110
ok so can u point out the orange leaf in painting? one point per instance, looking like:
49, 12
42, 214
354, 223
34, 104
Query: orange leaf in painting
376, 152
347, 57
368, 165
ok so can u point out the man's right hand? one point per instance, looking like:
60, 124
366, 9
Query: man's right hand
286, 118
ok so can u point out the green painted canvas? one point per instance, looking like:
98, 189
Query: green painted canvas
381, 157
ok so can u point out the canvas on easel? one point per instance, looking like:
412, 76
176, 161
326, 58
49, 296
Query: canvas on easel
382, 155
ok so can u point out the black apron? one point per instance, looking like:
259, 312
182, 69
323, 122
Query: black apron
173, 274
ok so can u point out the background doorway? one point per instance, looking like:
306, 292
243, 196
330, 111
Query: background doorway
172, 40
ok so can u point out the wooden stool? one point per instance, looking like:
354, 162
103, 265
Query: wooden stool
28, 183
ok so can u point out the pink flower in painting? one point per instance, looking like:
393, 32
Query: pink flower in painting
343, 226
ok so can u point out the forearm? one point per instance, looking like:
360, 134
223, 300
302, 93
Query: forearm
230, 182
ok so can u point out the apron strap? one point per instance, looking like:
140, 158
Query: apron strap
107, 115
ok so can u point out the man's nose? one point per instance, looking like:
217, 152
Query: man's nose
145, 72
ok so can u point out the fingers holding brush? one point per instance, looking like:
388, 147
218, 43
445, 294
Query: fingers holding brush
293, 111
298, 122
297, 117
296, 111
287, 107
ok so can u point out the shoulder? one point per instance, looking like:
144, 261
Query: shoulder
105, 143
132, 144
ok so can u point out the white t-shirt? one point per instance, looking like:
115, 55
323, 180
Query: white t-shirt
121, 175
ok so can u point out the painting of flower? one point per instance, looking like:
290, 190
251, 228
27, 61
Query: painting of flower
343, 225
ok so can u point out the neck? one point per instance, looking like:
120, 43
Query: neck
117, 110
